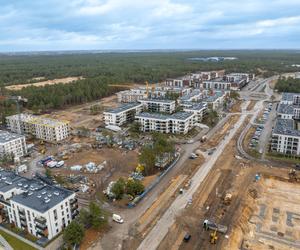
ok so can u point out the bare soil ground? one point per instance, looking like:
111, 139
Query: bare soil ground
237, 177
236, 107
251, 105
80, 115
216, 139
43, 83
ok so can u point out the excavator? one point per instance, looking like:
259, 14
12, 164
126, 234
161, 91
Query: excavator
213, 237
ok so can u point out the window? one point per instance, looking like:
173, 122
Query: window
55, 214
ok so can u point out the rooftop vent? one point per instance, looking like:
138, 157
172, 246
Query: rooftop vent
39, 196
30, 193
44, 192
56, 193
47, 201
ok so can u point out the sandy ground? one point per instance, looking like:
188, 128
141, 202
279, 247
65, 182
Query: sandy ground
236, 107
43, 83
80, 115
251, 105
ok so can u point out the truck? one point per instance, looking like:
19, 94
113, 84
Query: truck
45, 160
203, 139
210, 225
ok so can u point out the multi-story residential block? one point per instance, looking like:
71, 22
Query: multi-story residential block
12, 144
238, 80
217, 84
177, 123
133, 95
286, 137
47, 129
198, 109
192, 96
286, 133
32, 205
123, 114
159, 105
214, 100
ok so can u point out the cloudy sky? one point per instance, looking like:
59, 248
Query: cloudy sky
27, 25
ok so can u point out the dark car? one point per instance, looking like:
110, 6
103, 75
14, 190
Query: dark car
187, 237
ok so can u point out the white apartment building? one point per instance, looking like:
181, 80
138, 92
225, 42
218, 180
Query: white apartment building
46, 129
198, 109
217, 85
123, 114
214, 100
30, 204
192, 96
133, 95
286, 133
12, 144
177, 123
286, 137
159, 105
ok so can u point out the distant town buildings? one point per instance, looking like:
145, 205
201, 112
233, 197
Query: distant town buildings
30, 204
46, 129
12, 144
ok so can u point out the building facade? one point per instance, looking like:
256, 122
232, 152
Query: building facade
123, 114
217, 85
46, 129
40, 209
159, 105
177, 123
12, 144
198, 109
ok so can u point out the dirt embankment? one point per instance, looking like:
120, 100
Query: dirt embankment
44, 83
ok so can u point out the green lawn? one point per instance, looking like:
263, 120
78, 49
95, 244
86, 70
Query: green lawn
16, 243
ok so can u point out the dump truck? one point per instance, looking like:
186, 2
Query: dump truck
210, 225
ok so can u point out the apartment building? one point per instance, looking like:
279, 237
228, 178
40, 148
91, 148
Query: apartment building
192, 96
177, 123
159, 105
46, 129
123, 114
238, 80
198, 109
12, 144
133, 95
217, 84
286, 132
214, 100
286, 137
32, 205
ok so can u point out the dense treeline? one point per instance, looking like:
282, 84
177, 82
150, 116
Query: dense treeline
60, 95
288, 85
138, 67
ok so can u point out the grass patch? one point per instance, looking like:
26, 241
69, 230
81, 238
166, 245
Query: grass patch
16, 243
281, 157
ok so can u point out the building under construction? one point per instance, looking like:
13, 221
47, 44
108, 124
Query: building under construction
42, 128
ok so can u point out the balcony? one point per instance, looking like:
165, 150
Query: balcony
42, 232
74, 206
74, 214
40, 220
40, 226
72, 201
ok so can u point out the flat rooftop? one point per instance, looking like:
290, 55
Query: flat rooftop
123, 108
178, 116
286, 127
38, 120
288, 96
285, 109
35, 194
214, 97
158, 100
194, 105
6, 136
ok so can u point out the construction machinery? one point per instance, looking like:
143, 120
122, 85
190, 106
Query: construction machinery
213, 237
210, 225
227, 199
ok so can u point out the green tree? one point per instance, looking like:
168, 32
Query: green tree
134, 187
73, 234
119, 188
211, 118
234, 95
97, 216
147, 158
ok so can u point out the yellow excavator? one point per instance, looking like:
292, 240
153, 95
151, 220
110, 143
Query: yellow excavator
213, 237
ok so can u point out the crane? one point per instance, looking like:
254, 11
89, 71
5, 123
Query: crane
18, 100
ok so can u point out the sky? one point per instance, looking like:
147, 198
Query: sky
43, 25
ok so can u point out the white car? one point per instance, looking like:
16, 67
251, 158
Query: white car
117, 218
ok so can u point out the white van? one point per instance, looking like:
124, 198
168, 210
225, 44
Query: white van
117, 218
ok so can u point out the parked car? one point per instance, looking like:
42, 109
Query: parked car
187, 237
117, 218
